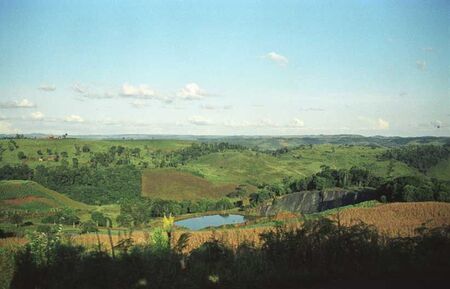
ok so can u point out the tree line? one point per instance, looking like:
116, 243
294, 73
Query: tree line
421, 157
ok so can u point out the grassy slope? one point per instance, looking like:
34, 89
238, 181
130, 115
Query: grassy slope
31, 146
250, 167
31, 195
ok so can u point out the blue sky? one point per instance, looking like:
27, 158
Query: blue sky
229, 67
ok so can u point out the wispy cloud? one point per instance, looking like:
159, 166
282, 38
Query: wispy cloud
215, 107
277, 58
421, 65
86, 92
73, 118
6, 127
139, 103
436, 123
47, 87
79, 88
37, 115
427, 49
382, 124
311, 109
296, 122
24, 103
199, 120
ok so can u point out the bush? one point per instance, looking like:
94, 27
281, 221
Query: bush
88, 227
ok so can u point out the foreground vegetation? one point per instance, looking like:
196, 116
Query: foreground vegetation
315, 253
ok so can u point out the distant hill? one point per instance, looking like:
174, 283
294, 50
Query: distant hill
29, 195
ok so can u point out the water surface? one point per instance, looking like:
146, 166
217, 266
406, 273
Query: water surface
210, 221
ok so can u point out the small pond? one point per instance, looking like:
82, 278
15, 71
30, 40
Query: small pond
210, 221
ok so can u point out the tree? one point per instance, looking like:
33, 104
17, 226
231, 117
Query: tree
88, 227
100, 219
125, 220
86, 148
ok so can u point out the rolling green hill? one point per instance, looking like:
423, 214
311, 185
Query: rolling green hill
28, 195
249, 167
49, 148
186, 169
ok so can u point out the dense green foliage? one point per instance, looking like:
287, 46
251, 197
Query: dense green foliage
65, 216
91, 185
314, 254
415, 189
421, 157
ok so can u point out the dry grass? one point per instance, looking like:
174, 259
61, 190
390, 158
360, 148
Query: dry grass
231, 237
398, 219
12, 242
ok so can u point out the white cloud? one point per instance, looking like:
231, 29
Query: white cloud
37, 115
140, 91
427, 49
382, 124
89, 93
421, 65
296, 122
277, 58
199, 120
73, 118
192, 91
5, 127
47, 87
24, 103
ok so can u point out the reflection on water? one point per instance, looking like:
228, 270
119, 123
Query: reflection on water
210, 221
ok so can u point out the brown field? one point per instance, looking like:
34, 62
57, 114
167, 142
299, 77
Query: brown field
28, 199
13, 242
91, 240
175, 185
398, 219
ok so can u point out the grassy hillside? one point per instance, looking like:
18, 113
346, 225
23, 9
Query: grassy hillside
30, 148
252, 167
28, 195
177, 185
273, 142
